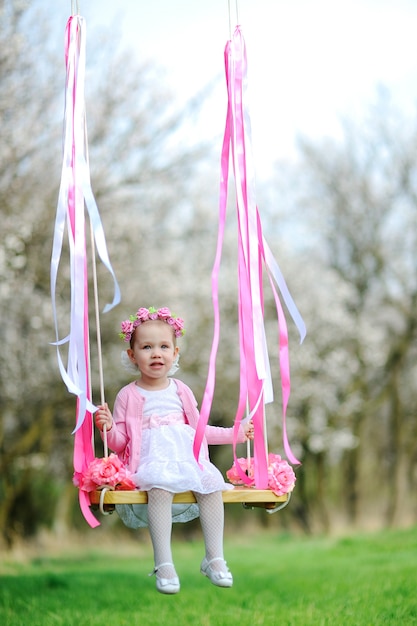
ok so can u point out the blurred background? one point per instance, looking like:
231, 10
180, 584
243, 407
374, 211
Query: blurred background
333, 91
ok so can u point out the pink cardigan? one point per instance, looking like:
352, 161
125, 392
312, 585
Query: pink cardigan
125, 436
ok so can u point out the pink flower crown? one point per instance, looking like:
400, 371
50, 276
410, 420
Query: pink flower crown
145, 315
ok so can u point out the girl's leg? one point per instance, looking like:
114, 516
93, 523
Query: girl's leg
160, 529
212, 523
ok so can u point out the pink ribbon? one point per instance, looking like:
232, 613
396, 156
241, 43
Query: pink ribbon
75, 194
253, 254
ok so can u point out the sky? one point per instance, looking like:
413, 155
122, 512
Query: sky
309, 62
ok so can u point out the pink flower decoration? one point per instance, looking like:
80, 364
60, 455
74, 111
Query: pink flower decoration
127, 326
246, 467
109, 472
281, 477
142, 314
179, 326
164, 313
274, 458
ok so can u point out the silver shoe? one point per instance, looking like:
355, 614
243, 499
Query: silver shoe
221, 579
166, 585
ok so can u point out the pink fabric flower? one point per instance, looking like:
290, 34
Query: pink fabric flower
281, 477
274, 458
142, 314
127, 327
163, 313
179, 326
247, 468
108, 471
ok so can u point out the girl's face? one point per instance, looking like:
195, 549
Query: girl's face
154, 352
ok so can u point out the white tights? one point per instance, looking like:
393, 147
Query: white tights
160, 528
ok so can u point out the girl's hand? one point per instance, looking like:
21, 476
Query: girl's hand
249, 430
103, 417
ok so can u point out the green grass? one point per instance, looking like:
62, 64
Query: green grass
279, 581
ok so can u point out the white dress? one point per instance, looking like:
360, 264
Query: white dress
167, 460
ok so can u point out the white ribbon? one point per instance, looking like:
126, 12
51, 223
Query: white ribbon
75, 194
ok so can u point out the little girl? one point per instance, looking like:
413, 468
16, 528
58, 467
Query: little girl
152, 430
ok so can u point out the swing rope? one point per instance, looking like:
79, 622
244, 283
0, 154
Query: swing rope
99, 341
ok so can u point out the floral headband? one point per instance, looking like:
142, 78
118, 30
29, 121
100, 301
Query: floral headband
145, 315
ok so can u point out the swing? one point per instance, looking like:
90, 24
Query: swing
255, 384
105, 499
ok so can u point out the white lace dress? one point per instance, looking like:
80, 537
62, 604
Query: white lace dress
167, 460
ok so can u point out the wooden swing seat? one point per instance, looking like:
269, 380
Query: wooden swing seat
249, 497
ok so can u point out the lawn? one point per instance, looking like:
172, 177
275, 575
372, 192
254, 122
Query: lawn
367, 579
